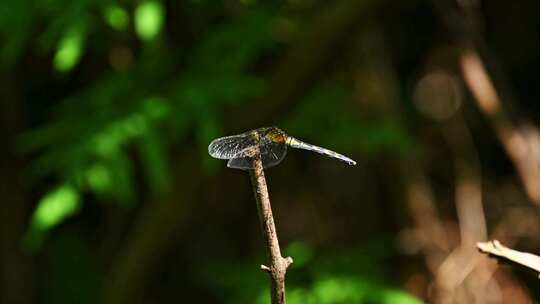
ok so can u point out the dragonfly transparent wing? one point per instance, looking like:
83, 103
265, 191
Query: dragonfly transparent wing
230, 146
243, 163
272, 153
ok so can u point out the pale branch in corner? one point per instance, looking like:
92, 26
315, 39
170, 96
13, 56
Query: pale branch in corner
523, 258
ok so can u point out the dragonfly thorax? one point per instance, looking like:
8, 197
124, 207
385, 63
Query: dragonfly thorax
275, 134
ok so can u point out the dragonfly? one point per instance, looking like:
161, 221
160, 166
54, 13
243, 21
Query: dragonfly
272, 145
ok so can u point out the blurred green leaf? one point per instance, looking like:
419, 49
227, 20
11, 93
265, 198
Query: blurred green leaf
301, 252
88, 140
15, 27
55, 206
155, 161
338, 289
335, 277
149, 19
122, 176
99, 178
348, 289
70, 49
116, 16
155, 108
398, 297
342, 129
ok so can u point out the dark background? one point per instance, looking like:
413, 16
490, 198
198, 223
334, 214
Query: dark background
108, 193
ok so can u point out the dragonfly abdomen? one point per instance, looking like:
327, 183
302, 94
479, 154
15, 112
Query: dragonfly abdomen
298, 144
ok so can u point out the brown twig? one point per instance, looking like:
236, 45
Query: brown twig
521, 144
278, 264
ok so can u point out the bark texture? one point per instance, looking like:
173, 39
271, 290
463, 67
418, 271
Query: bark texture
277, 264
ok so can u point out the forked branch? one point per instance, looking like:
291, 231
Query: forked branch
277, 264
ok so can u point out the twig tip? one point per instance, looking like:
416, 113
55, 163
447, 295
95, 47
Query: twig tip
265, 268
288, 261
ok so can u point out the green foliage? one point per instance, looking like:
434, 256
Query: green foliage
352, 276
70, 48
344, 290
149, 19
116, 16
115, 95
324, 115
55, 206
15, 26
52, 209
76, 277
96, 135
302, 253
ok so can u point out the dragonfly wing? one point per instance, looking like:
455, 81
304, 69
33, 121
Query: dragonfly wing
230, 146
243, 163
271, 154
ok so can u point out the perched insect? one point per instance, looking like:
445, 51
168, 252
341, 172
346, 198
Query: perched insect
272, 144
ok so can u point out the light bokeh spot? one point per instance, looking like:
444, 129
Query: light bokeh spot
117, 17
69, 50
301, 252
55, 206
399, 297
438, 95
149, 18
99, 178
156, 108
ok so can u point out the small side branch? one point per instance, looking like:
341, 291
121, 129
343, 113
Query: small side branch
523, 258
278, 264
